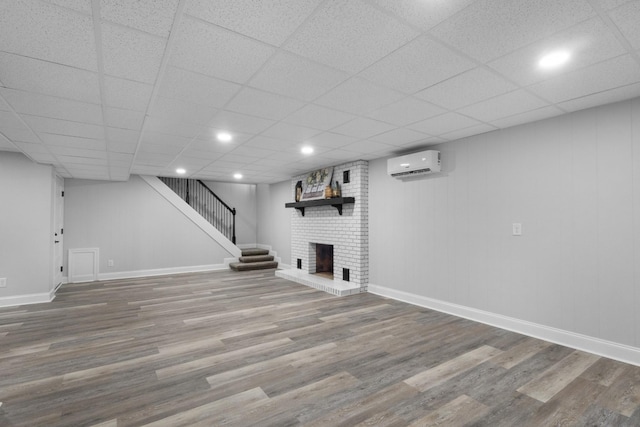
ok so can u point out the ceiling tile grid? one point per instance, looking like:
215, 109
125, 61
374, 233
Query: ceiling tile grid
101, 89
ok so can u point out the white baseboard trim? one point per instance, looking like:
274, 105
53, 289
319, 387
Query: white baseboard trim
161, 271
600, 347
27, 299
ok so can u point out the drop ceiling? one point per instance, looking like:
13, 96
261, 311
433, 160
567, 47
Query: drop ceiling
102, 89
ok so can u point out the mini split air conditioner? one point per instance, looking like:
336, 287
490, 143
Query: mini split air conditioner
414, 164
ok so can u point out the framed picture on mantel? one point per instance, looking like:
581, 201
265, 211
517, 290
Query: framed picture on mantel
315, 183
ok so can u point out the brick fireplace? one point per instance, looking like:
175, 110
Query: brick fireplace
347, 234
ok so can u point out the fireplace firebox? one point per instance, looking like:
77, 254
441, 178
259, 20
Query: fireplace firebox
324, 260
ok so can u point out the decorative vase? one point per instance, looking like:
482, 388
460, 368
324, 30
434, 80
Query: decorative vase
298, 191
328, 192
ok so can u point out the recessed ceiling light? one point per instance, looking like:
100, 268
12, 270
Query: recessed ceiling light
554, 59
237, 175
181, 171
223, 136
307, 150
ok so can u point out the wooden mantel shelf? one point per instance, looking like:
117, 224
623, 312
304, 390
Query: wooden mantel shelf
336, 202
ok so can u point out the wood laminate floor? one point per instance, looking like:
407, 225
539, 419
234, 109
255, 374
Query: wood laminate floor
244, 349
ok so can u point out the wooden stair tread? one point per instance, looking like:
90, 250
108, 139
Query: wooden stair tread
256, 258
254, 252
246, 266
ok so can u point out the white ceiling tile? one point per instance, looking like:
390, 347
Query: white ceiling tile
10, 120
488, 29
263, 104
331, 140
20, 135
473, 130
48, 106
608, 97
216, 52
78, 152
191, 163
359, 96
209, 137
152, 158
123, 135
171, 127
589, 42
150, 16
516, 102
156, 138
444, 123
30, 148
196, 88
626, 19
147, 170
367, 147
339, 155
6, 145
165, 149
125, 119
122, 147
83, 6
242, 123
251, 152
406, 111
72, 141
297, 77
272, 22
349, 35
3, 105
49, 32
127, 94
64, 127
32, 75
277, 144
318, 117
607, 75
610, 4
529, 116
119, 159
400, 136
423, 14
467, 88
290, 132
363, 128
44, 158
275, 162
417, 65
181, 111
131, 54
200, 154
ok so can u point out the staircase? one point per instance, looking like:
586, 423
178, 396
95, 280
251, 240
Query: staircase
254, 259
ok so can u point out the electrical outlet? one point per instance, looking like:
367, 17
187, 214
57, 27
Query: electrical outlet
517, 229
110, 263
3, 282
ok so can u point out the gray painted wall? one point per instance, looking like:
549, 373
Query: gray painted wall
134, 226
274, 221
25, 225
574, 184
243, 198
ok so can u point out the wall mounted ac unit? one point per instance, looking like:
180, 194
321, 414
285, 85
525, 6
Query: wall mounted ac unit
415, 164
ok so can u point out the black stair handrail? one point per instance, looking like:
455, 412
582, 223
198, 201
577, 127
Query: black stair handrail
213, 209
230, 209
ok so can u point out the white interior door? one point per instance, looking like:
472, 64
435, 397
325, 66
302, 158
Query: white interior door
58, 230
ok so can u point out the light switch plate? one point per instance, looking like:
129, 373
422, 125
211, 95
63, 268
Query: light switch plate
517, 229
3, 282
